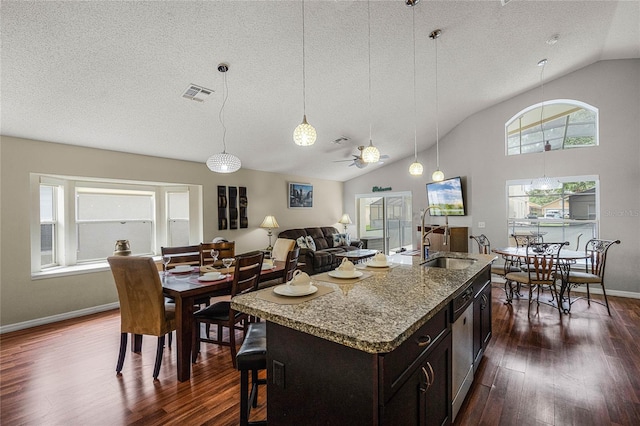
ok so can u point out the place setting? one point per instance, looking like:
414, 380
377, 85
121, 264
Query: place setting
300, 289
346, 272
379, 262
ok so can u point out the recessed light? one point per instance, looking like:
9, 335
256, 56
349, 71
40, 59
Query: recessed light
553, 39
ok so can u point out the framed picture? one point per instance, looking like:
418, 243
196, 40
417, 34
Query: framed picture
300, 195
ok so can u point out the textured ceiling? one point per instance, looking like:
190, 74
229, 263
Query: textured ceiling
110, 75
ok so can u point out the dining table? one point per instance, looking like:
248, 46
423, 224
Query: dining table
566, 257
185, 288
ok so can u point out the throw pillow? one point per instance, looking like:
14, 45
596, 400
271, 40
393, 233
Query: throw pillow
341, 240
311, 245
302, 242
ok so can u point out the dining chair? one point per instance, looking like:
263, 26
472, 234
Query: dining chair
142, 306
225, 249
543, 269
484, 247
523, 240
180, 255
596, 257
281, 248
246, 276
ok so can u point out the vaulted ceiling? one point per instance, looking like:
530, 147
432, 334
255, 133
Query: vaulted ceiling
111, 75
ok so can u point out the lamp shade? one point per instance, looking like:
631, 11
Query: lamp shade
224, 163
415, 169
371, 154
345, 219
304, 134
437, 176
269, 222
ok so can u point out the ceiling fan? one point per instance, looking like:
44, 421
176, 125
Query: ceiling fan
358, 161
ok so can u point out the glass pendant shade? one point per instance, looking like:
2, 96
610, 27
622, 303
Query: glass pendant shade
223, 163
371, 154
545, 183
437, 176
304, 134
415, 169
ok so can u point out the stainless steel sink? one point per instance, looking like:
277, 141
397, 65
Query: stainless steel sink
449, 262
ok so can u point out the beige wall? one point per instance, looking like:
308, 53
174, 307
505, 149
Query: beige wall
475, 149
23, 299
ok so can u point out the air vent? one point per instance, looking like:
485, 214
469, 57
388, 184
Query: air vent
196, 93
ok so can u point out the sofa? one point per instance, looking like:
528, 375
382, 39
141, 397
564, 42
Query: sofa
327, 240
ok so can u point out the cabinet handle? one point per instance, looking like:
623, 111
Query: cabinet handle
429, 378
484, 301
423, 340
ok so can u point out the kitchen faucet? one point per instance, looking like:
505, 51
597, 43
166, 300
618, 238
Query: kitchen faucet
445, 238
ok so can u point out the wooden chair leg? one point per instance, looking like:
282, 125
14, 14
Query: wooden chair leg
170, 338
159, 352
254, 388
195, 349
232, 341
123, 351
244, 397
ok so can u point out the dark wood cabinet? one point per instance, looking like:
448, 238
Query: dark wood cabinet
314, 381
458, 239
481, 317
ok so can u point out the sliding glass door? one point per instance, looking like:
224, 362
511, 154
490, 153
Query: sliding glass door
384, 221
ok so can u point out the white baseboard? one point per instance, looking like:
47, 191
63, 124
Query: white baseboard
595, 289
59, 317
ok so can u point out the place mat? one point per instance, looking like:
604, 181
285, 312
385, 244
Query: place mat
208, 268
269, 295
364, 267
326, 278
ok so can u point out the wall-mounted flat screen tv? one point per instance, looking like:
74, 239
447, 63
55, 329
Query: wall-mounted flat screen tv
446, 197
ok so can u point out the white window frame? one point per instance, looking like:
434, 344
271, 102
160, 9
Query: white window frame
580, 104
67, 227
511, 221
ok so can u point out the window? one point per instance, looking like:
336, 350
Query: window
552, 125
178, 218
568, 213
48, 225
80, 219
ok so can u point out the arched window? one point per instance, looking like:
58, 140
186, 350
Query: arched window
552, 125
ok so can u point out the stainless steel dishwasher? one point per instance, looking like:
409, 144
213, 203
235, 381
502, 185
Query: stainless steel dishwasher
462, 349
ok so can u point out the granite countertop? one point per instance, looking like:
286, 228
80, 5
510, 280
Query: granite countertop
376, 314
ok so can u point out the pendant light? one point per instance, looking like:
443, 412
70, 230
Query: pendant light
438, 175
370, 154
415, 169
544, 183
304, 134
223, 162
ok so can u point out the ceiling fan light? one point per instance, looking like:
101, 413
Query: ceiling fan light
223, 163
415, 169
304, 134
437, 176
371, 154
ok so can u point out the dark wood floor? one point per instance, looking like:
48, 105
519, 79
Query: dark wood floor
581, 370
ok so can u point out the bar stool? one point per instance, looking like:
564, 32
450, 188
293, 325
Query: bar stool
252, 356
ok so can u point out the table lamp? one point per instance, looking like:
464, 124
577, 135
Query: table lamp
345, 220
269, 223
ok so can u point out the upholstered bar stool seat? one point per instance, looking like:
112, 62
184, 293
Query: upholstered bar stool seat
251, 357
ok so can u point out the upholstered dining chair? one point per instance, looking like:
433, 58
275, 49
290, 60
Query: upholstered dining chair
281, 248
225, 249
543, 269
596, 253
142, 306
245, 279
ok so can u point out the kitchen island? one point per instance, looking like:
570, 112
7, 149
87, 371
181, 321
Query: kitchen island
377, 351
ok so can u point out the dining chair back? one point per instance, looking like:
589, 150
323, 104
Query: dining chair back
501, 269
542, 264
281, 248
142, 306
246, 276
225, 249
596, 259
484, 245
180, 255
523, 240
291, 264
